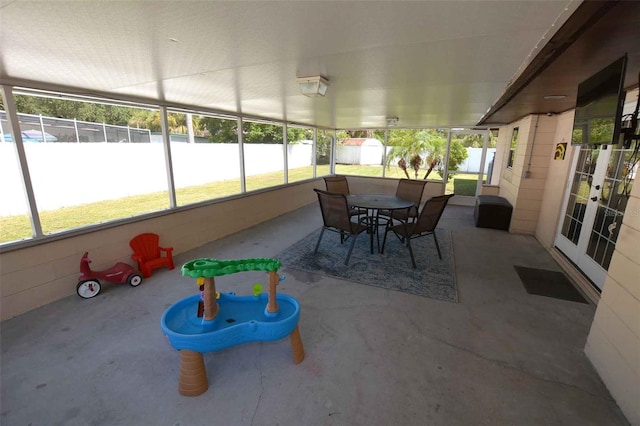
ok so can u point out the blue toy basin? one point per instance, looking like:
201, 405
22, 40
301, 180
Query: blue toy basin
241, 319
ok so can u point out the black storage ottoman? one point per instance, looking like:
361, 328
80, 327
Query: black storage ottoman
492, 212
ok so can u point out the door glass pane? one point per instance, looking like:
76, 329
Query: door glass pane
616, 190
598, 239
465, 158
579, 193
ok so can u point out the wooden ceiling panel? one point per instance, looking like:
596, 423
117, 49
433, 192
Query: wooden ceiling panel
598, 34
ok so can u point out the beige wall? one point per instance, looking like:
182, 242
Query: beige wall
38, 275
511, 177
555, 186
524, 183
613, 345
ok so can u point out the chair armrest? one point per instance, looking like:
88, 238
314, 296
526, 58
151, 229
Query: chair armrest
167, 250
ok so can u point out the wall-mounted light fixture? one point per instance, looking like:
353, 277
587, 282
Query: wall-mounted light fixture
313, 86
392, 121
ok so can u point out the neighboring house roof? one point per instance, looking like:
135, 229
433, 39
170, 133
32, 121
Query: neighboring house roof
361, 141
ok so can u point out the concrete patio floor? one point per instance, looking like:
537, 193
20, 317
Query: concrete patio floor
373, 356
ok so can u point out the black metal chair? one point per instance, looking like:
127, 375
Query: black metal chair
411, 190
338, 184
424, 225
336, 217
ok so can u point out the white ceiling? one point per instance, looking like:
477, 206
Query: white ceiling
430, 63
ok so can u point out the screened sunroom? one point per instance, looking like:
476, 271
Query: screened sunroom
194, 121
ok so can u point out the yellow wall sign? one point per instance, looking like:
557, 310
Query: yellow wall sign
561, 148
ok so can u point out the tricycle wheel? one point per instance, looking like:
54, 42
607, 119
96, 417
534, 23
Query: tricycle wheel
135, 280
88, 288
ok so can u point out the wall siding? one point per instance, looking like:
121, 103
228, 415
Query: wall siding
557, 173
613, 345
535, 146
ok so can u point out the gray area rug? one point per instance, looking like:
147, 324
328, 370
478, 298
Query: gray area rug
432, 278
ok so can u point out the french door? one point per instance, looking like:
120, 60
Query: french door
595, 202
466, 182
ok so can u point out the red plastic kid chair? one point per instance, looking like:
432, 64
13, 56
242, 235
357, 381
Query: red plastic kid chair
149, 254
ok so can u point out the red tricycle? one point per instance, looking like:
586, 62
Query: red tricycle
89, 281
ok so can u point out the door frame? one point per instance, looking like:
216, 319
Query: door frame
467, 200
577, 253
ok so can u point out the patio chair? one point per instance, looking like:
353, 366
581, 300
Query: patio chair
149, 255
424, 225
411, 190
336, 217
339, 185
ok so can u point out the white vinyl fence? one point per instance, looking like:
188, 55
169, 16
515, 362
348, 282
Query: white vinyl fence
68, 174
472, 163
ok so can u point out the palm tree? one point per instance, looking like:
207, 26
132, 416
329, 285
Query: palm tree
436, 147
409, 147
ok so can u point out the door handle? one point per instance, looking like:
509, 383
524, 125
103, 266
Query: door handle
594, 198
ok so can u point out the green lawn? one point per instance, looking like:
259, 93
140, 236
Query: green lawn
14, 228
463, 185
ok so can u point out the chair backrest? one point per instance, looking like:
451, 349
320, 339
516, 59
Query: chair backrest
411, 190
337, 184
335, 210
431, 213
146, 245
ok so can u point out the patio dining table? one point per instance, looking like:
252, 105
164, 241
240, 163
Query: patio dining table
372, 203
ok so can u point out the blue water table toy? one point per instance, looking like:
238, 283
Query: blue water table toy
210, 321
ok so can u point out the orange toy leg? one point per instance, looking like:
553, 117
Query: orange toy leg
193, 375
296, 346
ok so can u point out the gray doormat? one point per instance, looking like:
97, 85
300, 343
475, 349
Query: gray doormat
542, 282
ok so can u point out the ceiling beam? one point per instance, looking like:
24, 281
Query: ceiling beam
586, 15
